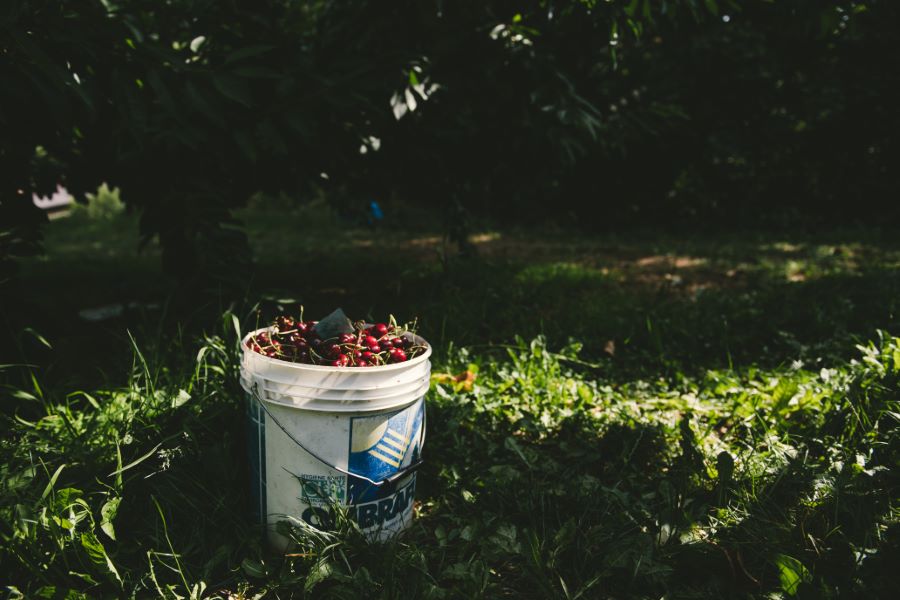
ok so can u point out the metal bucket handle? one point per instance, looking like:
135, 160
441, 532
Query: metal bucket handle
389, 479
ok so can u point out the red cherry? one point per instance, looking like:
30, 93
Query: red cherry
342, 361
347, 338
370, 340
374, 349
398, 355
380, 329
332, 350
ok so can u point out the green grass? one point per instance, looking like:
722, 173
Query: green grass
668, 303
542, 481
738, 438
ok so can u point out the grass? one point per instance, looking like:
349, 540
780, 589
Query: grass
639, 417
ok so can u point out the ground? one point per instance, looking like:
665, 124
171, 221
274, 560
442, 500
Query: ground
630, 415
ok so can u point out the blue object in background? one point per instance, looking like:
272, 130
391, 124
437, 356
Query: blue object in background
375, 212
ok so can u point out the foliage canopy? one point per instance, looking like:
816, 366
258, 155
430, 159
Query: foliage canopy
615, 111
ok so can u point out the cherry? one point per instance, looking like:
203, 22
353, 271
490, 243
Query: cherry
292, 339
341, 361
398, 355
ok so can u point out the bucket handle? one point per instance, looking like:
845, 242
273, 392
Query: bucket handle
389, 479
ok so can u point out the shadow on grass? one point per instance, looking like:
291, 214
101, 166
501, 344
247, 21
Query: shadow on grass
657, 303
615, 512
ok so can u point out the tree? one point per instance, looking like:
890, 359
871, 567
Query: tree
599, 112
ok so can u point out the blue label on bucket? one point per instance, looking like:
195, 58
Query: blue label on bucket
390, 505
379, 447
393, 502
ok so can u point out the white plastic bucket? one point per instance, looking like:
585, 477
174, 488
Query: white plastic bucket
320, 436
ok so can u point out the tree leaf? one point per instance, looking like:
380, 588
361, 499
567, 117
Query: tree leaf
197, 42
233, 88
247, 52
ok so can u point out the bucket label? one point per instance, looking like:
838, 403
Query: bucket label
384, 511
380, 446
394, 504
322, 490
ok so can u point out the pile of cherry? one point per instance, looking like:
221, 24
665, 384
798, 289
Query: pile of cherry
297, 341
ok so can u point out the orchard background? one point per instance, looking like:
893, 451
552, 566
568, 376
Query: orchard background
654, 246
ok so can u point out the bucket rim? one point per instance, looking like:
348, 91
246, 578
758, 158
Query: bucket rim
329, 369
